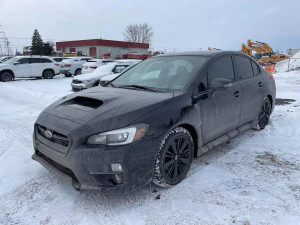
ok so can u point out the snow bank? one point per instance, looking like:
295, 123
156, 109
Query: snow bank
283, 66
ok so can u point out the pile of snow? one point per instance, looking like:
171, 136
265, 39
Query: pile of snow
288, 64
288, 79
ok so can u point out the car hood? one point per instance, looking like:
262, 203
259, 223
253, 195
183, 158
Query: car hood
4, 64
91, 76
110, 77
105, 108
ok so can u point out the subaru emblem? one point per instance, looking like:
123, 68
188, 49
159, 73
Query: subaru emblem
48, 134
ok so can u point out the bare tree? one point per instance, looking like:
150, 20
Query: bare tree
141, 33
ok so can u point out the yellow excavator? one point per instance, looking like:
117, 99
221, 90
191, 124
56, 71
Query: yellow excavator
264, 53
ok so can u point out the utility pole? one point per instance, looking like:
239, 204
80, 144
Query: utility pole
5, 48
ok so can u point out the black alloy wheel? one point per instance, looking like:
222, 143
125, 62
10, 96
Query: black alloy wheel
264, 114
175, 158
6, 76
48, 74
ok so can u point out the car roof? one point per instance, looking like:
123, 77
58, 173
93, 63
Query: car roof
200, 53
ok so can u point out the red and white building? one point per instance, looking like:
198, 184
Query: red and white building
98, 47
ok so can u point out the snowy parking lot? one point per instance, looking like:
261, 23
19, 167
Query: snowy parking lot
255, 179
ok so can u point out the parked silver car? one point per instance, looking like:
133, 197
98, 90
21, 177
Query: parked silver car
89, 80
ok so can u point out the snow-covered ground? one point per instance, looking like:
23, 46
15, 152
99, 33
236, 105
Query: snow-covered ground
289, 64
253, 180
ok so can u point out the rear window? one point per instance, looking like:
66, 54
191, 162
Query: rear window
243, 67
255, 68
57, 59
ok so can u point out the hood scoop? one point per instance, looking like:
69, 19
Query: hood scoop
83, 103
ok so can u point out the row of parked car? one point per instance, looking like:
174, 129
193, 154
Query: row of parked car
91, 70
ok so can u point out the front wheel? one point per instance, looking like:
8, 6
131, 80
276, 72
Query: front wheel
77, 72
174, 158
264, 114
6, 76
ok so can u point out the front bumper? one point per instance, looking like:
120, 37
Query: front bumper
79, 86
89, 168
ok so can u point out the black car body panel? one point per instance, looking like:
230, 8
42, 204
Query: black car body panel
213, 118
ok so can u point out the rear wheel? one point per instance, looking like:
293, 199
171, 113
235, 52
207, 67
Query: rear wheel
6, 76
174, 158
48, 74
68, 75
77, 72
264, 114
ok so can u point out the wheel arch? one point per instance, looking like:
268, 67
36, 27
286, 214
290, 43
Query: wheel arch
191, 129
49, 69
8, 70
271, 99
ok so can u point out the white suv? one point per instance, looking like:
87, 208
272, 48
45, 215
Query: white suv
28, 66
73, 65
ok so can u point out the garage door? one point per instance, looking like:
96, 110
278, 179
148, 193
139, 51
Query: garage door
72, 50
93, 52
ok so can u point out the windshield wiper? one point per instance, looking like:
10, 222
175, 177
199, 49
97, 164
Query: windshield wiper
135, 86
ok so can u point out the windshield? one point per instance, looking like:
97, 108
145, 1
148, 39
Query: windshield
11, 60
172, 73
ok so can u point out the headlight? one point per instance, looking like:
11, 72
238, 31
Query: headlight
119, 137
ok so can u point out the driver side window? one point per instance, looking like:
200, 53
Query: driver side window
221, 68
23, 61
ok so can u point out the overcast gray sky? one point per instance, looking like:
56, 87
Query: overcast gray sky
177, 24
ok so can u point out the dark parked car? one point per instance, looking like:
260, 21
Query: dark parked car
153, 119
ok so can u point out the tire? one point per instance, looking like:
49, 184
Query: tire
6, 76
68, 75
174, 158
264, 114
77, 72
48, 74
96, 84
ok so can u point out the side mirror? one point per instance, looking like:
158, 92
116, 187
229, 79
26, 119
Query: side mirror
220, 84
16, 63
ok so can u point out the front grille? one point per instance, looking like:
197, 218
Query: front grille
56, 137
76, 82
61, 168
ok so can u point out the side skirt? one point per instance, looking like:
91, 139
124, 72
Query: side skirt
223, 139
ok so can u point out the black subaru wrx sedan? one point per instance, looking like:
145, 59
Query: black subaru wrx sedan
149, 123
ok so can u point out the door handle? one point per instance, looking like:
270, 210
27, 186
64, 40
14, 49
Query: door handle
260, 84
236, 94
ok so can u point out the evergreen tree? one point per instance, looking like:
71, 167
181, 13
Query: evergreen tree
37, 43
48, 48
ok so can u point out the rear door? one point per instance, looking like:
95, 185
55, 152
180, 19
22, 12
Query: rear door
37, 67
252, 84
220, 113
23, 68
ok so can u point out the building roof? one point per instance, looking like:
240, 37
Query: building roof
100, 42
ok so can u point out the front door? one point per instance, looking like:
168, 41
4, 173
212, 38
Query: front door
220, 111
22, 68
93, 52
